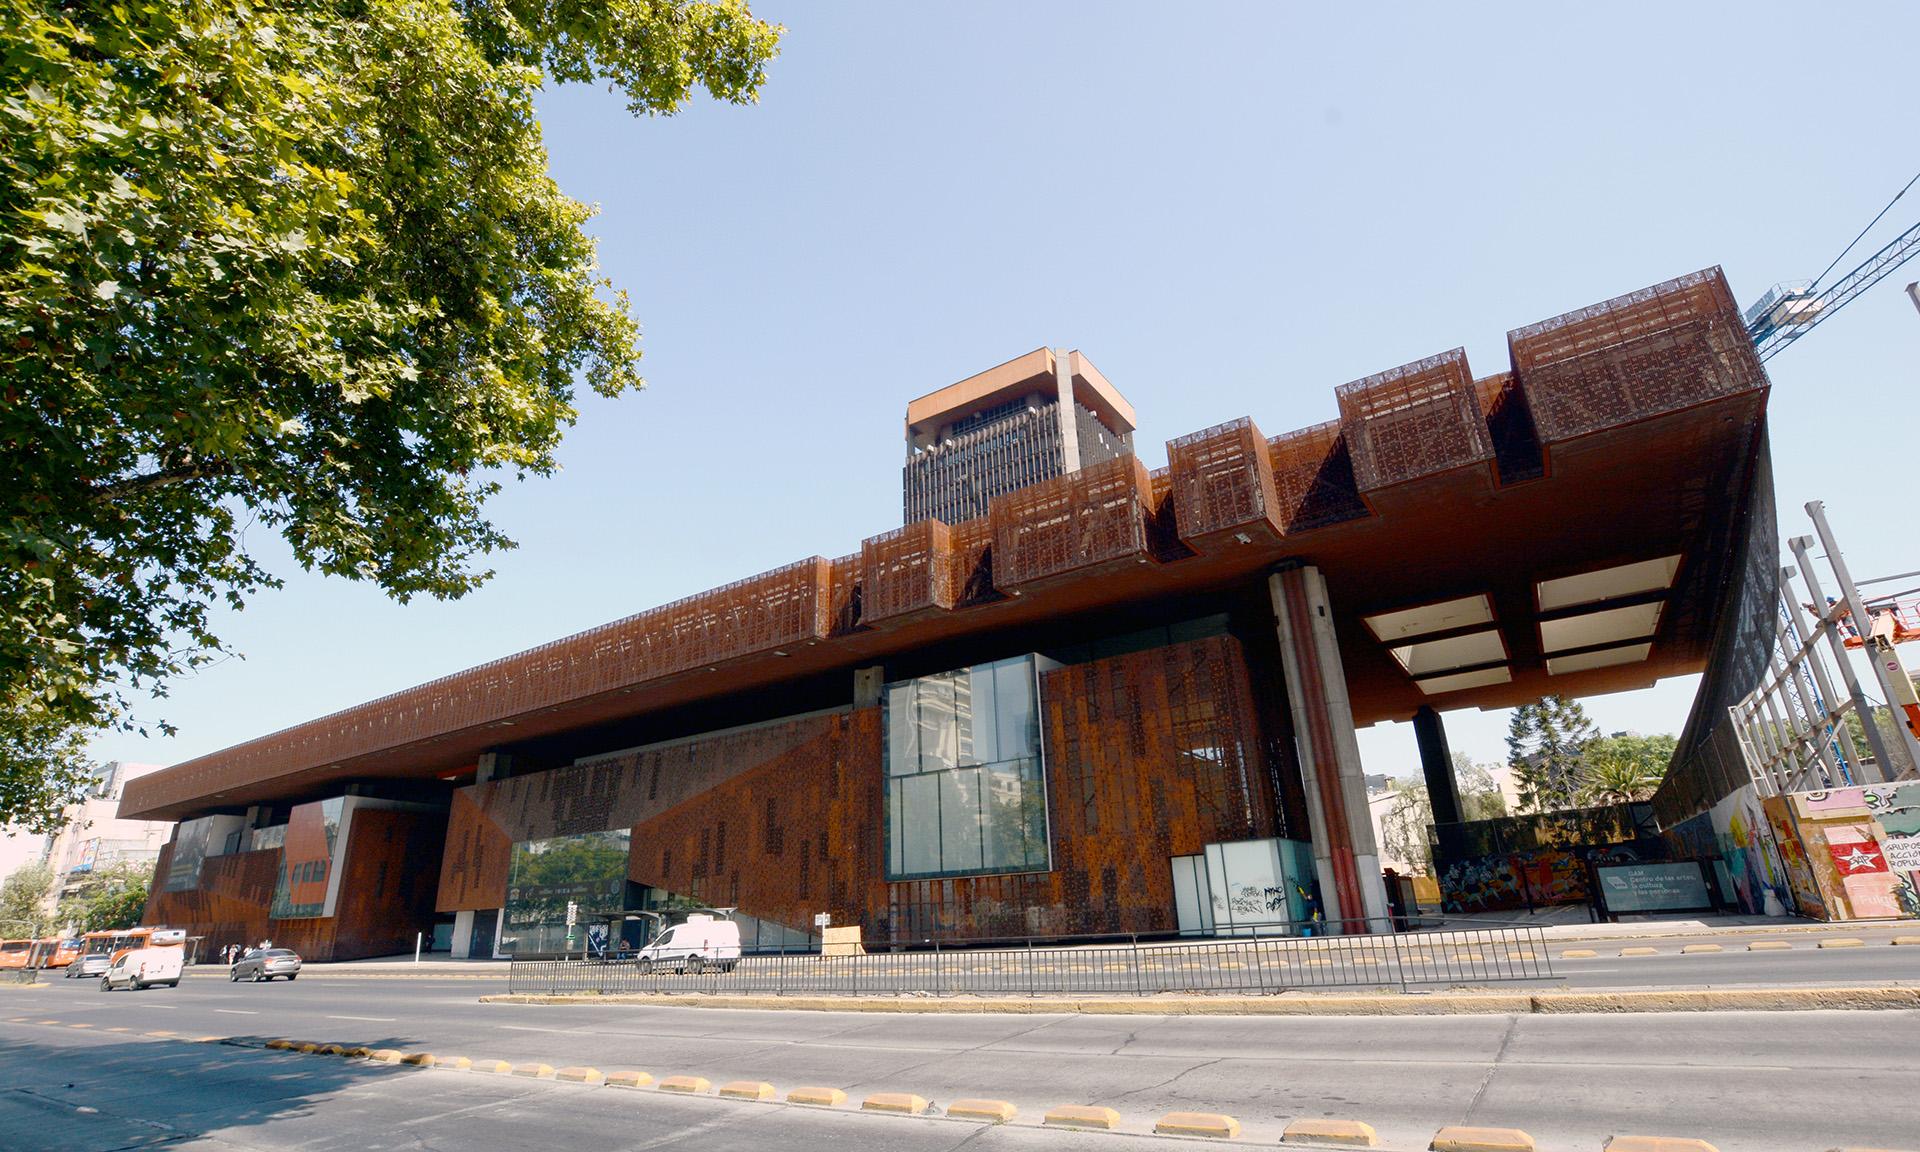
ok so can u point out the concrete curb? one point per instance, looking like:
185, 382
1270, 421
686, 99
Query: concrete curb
1790, 999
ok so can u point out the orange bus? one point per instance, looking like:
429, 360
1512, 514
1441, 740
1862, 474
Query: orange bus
54, 952
14, 953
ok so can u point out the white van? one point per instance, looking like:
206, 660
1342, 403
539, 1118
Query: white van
157, 963
700, 943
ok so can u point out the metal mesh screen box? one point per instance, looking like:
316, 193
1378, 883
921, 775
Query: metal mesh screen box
1090, 518
1417, 420
907, 571
1223, 486
1644, 354
1313, 478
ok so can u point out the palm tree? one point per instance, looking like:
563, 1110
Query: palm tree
1613, 779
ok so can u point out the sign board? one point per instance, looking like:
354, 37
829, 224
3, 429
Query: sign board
573, 914
821, 920
1902, 853
1673, 887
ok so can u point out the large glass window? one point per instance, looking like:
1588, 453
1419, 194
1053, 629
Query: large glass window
966, 785
588, 870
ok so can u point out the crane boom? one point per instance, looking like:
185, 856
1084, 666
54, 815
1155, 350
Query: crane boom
1788, 312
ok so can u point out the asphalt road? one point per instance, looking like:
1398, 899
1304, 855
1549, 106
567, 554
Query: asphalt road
1746, 1081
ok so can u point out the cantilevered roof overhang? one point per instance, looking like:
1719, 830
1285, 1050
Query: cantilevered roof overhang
1567, 525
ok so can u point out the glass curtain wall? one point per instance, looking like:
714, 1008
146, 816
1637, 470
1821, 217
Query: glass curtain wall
966, 785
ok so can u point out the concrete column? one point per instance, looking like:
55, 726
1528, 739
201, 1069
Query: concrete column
1069, 419
1436, 763
462, 934
868, 684
492, 766
1344, 854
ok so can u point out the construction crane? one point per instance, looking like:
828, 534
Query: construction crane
1791, 310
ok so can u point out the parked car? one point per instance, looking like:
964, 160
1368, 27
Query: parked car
702, 942
159, 962
89, 964
264, 964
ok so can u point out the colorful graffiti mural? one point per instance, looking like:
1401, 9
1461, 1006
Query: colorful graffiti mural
1531, 879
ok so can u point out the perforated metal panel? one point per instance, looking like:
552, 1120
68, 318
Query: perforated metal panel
1657, 350
1417, 420
907, 571
1313, 478
1092, 517
1223, 485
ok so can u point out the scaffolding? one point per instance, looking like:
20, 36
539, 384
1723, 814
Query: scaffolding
1223, 485
1414, 421
1313, 478
1644, 354
1091, 518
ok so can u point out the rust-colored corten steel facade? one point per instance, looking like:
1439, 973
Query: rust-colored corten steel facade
1199, 642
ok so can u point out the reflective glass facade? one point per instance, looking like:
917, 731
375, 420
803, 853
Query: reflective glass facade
966, 784
589, 870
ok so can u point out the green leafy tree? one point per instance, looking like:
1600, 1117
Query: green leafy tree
115, 897
295, 264
1404, 829
1624, 769
23, 902
1545, 741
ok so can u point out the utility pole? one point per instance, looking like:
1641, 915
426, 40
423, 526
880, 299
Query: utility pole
1883, 766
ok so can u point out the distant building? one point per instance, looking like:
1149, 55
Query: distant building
94, 837
1003, 429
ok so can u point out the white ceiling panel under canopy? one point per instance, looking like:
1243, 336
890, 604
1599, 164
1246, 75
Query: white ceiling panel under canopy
1444, 616
1609, 626
1608, 583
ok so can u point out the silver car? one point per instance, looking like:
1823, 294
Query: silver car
264, 964
91, 964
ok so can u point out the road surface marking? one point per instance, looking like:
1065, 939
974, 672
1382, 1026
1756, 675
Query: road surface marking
372, 1019
525, 1028
237, 1011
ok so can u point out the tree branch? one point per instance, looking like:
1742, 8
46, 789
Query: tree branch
164, 478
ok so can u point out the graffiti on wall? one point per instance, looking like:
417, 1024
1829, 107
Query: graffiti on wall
1529, 879
1862, 847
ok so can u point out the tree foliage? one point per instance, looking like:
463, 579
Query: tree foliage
1624, 769
22, 897
297, 265
1545, 742
112, 898
1404, 827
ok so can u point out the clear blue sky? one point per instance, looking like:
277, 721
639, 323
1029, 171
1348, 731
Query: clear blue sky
1230, 209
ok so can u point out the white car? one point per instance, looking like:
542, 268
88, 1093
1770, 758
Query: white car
89, 964
702, 942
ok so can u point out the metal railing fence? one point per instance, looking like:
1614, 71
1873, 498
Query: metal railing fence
1265, 964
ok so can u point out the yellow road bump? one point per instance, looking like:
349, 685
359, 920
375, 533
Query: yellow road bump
208, 1039
1083, 1116
420, 1059
283, 1044
824, 1097
493, 1067
119, 1029
1198, 1124
1639, 951
534, 1071
1521, 956
49, 1021
1769, 946
685, 1084
1340, 1133
163, 1034
333, 1050
1469, 956
357, 1052
1692, 949
307, 1047
992, 1111
905, 1103
453, 1063
1578, 954
1459, 1139
1908, 940
1655, 1144
1843, 942
747, 1090
79, 1025
580, 1074
628, 1079
385, 1055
